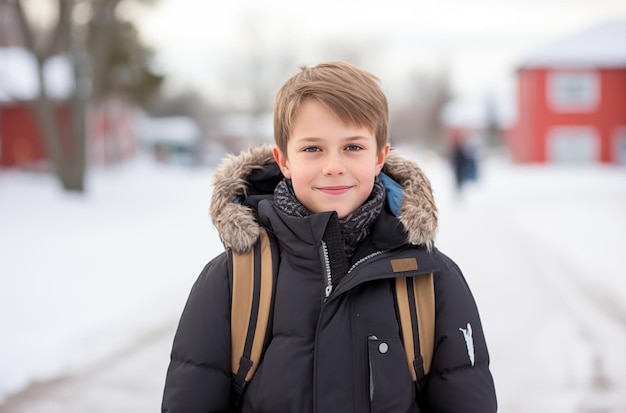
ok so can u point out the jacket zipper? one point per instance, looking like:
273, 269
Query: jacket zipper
371, 376
362, 260
329, 277
327, 291
357, 264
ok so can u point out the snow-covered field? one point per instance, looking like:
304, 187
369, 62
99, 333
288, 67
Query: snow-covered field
82, 277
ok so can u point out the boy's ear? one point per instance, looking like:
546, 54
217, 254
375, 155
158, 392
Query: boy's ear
382, 156
282, 162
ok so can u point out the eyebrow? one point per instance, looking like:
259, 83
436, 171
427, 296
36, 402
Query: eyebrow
348, 138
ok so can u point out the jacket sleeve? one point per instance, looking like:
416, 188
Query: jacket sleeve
198, 377
459, 379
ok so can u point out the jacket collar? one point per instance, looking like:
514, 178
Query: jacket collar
241, 181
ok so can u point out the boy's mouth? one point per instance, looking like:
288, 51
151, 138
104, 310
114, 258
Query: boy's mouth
334, 190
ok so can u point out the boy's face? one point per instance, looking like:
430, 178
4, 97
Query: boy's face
332, 165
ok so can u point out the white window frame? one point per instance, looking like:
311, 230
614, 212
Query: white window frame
579, 135
573, 91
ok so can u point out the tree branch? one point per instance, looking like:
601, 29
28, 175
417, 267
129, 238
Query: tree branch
61, 37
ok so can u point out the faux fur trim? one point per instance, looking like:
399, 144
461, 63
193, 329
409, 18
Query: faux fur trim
418, 213
239, 230
235, 223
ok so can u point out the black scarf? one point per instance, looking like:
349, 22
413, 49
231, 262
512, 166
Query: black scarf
354, 228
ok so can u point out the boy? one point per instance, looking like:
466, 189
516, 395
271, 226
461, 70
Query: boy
336, 344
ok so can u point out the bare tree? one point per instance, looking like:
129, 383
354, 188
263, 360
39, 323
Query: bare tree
419, 120
88, 44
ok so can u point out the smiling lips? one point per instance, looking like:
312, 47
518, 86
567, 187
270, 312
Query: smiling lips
334, 190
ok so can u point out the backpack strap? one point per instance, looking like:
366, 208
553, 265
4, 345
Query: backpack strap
254, 275
416, 304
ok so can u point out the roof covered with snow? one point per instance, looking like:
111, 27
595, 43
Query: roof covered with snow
477, 114
603, 45
171, 129
18, 75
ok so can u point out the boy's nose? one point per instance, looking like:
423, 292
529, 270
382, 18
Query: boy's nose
333, 166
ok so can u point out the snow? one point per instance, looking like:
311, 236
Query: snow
603, 45
181, 130
18, 75
477, 114
82, 277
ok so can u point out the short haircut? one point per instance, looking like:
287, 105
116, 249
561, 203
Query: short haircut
350, 92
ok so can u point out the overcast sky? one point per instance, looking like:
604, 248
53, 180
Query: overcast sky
478, 42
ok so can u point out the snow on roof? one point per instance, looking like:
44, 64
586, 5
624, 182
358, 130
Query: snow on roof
18, 75
170, 129
477, 114
245, 124
603, 45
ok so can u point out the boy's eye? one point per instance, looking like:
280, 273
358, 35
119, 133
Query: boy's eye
311, 149
353, 148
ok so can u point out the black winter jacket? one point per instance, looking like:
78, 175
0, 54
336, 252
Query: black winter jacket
324, 355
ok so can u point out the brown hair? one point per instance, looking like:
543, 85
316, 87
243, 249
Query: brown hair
350, 92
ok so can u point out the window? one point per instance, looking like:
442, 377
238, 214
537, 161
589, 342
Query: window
573, 91
573, 145
619, 145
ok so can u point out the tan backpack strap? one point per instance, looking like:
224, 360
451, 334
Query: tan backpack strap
416, 305
425, 302
253, 283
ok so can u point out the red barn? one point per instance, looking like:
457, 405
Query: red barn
572, 100
110, 123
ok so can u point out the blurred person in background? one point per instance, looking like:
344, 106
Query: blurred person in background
463, 161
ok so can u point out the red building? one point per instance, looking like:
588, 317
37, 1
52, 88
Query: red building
572, 100
111, 137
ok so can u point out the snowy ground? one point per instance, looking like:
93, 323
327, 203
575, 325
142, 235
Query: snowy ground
89, 280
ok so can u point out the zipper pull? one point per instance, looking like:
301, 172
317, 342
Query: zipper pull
328, 290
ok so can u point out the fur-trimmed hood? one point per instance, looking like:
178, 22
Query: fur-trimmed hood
239, 229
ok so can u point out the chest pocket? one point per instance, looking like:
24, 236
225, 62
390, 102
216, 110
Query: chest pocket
390, 386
